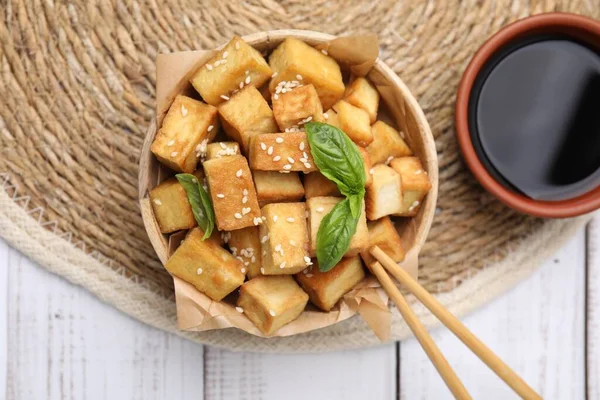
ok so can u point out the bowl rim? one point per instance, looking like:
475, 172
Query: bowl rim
582, 27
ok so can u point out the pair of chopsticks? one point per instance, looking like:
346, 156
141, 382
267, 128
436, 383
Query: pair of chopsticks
385, 263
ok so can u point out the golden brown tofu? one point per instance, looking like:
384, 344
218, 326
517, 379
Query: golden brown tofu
318, 208
386, 143
383, 233
354, 122
281, 152
188, 125
232, 192
271, 302
415, 184
362, 94
295, 61
236, 66
325, 288
317, 185
275, 187
284, 238
294, 108
206, 265
222, 149
245, 246
246, 111
368, 165
384, 196
331, 118
171, 207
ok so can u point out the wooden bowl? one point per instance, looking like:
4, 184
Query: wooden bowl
398, 106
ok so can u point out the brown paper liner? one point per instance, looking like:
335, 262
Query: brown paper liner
196, 311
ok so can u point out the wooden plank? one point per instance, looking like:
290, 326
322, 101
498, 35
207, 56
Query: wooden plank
360, 374
537, 328
64, 343
593, 310
3, 317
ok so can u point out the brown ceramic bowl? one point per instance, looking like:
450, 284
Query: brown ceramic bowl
578, 27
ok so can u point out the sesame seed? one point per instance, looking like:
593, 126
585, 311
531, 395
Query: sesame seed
247, 72
243, 270
390, 158
199, 271
263, 146
309, 275
246, 210
274, 75
244, 200
233, 250
240, 259
239, 173
270, 150
223, 145
194, 180
402, 135
320, 209
306, 259
220, 195
174, 154
419, 172
272, 313
284, 172
241, 85
237, 215
264, 239
157, 202
275, 96
224, 97
237, 45
279, 140
184, 110
256, 221
245, 192
292, 243
303, 160
291, 160
210, 128
324, 51
299, 77
248, 79
282, 265
301, 146
278, 247
325, 115
209, 67
170, 143
225, 54
287, 167
307, 165
305, 155
239, 309
290, 219
262, 270
275, 218
276, 158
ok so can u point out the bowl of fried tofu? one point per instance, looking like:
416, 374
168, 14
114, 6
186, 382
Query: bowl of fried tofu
273, 169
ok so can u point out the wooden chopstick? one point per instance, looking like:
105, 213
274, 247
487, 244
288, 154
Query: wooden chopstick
451, 322
420, 332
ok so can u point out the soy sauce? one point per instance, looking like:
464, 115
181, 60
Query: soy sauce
534, 117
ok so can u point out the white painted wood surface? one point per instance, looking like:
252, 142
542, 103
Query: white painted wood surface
57, 341
593, 310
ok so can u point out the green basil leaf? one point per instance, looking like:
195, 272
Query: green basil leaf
334, 235
356, 202
337, 157
200, 202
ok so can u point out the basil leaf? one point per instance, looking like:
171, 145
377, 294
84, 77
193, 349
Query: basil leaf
337, 157
200, 202
356, 202
334, 235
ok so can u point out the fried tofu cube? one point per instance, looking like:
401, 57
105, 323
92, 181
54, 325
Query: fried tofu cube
386, 143
284, 238
222, 149
246, 113
325, 288
295, 61
354, 122
362, 94
281, 152
237, 65
232, 193
317, 185
275, 187
188, 124
331, 118
318, 208
245, 246
383, 233
206, 265
384, 196
368, 165
271, 302
171, 207
296, 107
415, 184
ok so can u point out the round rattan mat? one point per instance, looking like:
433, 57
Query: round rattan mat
77, 82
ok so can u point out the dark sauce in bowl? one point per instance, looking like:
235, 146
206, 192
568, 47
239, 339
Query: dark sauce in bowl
534, 117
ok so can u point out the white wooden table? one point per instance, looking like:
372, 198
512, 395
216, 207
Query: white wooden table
57, 341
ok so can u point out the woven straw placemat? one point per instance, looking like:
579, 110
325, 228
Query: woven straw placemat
77, 83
